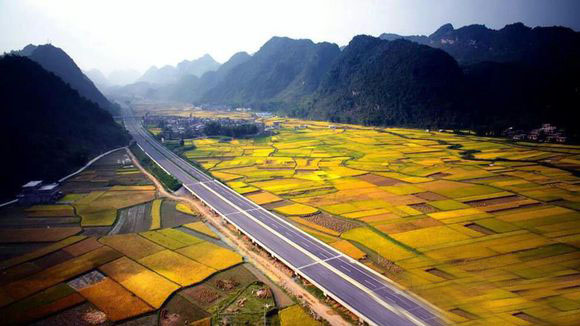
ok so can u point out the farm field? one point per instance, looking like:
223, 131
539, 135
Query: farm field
485, 229
146, 256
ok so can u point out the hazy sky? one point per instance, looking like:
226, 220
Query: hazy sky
122, 34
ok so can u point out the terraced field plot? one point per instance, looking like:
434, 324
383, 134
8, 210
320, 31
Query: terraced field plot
485, 229
137, 275
55, 263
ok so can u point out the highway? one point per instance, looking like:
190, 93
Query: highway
371, 296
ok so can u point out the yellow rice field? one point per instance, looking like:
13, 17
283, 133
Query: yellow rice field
489, 240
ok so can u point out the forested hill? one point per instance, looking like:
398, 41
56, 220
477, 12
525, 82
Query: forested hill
48, 129
279, 75
512, 43
57, 61
408, 83
377, 82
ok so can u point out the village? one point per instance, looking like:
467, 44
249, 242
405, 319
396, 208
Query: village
176, 127
548, 133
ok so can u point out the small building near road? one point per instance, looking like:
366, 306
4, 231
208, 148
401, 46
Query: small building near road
36, 192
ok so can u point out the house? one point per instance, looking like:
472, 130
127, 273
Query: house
35, 192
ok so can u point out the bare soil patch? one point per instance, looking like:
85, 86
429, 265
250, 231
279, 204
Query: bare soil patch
133, 219
170, 217
379, 180
428, 195
494, 201
202, 295
424, 208
52, 259
331, 222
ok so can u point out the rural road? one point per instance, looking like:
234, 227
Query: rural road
371, 296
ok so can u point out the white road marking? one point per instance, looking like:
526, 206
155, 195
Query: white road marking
395, 309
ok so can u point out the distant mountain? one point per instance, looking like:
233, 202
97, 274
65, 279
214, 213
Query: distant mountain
377, 82
280, 74
164, 75
169, 74
198, 66
187, 88
58, 62
513, 43
49, 130
123, 77
98, 78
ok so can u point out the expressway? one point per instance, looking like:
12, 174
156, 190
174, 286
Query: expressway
369, 295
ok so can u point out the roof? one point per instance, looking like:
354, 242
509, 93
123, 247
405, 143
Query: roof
32, 184
49, 186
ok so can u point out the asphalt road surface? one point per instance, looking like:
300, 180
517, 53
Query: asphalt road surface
369, 295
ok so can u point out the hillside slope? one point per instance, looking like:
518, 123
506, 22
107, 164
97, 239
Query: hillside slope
57, 61
48, 128
378, 82
280, 74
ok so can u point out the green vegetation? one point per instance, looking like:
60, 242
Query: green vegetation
215, 128
167, 180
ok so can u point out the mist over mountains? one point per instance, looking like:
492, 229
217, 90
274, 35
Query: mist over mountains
172, 74
115, 78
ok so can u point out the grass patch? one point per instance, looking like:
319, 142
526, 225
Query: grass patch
167, 180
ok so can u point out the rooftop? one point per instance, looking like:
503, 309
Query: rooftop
32, 184
49, 186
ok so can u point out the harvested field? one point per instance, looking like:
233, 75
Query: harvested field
180, 311
171, 217
202, 295
42, 304
83, 247
331, 222
379, 180
133, 219
231, 279
37, 234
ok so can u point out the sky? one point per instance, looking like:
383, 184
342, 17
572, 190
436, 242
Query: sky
135, 34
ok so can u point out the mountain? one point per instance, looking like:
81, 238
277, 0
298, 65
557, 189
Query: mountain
379, 82
513, 43
98, 78
55, 60
49, 130
187, 88
198, 66
123, 77
169, 74
192, 91
280, 74
164, 75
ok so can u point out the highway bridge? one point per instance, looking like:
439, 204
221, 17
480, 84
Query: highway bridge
368, 294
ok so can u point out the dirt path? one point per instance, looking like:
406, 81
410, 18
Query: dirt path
246, 249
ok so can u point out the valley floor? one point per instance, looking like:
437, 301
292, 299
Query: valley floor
485, 229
